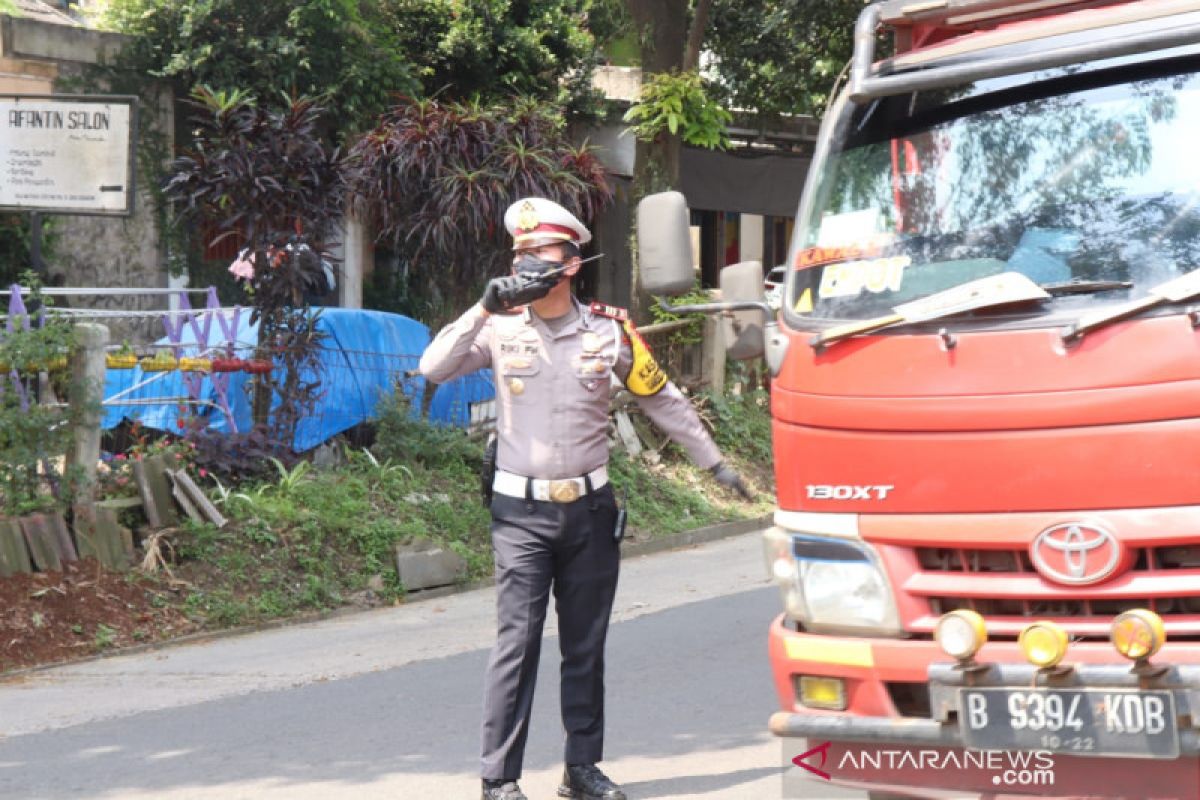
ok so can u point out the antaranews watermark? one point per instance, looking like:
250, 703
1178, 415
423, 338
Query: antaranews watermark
917, 767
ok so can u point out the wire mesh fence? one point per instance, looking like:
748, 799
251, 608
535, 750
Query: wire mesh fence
204, 366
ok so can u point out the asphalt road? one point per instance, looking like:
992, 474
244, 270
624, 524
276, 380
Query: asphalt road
386, 704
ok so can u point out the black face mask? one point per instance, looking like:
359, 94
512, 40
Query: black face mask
531, 266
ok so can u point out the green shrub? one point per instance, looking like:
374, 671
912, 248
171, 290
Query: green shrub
403, 438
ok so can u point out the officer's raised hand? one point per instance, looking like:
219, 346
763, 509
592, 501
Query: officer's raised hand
727, 476
506, 293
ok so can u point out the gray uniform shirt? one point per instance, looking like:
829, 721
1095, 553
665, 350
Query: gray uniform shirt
553, 389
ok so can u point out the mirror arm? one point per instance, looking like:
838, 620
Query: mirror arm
715, 308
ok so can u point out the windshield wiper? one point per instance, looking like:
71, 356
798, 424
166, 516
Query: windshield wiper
1079, 286
994, 290
1176, 290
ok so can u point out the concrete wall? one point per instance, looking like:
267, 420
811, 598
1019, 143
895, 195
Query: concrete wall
37, 57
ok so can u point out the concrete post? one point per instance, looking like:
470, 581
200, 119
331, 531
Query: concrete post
87, 390
750, 237
714, 354
357, 263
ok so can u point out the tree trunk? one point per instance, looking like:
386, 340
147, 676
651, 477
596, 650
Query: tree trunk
663, 32
691, 54
668, 44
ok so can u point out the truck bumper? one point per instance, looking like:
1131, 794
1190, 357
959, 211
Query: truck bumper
875, 743
889, 730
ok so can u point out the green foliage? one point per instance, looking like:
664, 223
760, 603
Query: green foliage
290, 479
780, 56
741, 424
694, 332
336, 529
403, 437
359, 56
677, 104
657, 505
493, 50
105, 636
341, 50
434, 179
33, 435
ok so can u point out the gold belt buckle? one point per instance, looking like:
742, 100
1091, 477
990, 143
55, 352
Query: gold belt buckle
564, 491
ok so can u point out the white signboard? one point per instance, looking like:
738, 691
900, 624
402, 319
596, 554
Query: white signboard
67, 154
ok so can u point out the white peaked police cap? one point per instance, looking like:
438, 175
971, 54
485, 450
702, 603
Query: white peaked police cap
534, 221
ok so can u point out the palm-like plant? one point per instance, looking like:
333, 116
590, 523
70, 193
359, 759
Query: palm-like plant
434, 179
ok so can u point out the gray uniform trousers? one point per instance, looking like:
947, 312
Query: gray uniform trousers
570, 547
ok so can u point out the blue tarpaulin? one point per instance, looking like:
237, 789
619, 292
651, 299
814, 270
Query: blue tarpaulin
364, 356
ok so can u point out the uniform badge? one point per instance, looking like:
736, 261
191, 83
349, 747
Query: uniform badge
611, 312
527, 217
592, 342
516, 386
517, 363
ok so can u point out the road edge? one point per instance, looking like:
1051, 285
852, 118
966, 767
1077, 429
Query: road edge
631, 549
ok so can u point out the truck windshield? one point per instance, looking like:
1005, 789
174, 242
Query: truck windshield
1087, 180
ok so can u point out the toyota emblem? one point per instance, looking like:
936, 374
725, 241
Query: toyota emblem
1075, 553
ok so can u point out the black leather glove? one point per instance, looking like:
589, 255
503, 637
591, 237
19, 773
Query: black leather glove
728, 477
506, 293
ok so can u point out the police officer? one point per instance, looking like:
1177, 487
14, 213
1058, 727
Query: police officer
554, 517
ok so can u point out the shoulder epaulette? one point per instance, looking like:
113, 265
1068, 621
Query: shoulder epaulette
612, 312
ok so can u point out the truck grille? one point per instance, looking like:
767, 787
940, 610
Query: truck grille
1003, 585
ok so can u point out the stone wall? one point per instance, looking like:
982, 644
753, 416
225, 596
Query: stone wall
38, 56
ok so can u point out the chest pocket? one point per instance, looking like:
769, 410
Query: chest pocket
594, 364
594, 371
517, 374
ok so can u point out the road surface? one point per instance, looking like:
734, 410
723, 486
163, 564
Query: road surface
385, 704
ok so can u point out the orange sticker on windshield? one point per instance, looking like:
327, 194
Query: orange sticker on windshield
816, 256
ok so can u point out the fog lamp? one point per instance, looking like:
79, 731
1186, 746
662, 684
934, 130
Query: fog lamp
828, 693
1044, 644
960, 633
783, 569
1138, 633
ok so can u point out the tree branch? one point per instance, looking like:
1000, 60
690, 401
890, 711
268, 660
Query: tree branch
691, 56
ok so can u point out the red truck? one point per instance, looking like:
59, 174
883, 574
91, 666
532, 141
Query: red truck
986, 403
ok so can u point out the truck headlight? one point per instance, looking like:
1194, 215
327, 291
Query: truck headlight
831, 584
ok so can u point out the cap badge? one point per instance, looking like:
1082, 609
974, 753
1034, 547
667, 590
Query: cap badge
527, 216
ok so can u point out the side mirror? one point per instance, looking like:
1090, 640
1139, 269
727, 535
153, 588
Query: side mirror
743, 282
664, 244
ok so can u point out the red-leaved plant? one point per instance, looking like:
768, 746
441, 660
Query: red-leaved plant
433, 180
268, 177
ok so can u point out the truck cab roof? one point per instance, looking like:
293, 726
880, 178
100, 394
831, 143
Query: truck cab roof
947, 42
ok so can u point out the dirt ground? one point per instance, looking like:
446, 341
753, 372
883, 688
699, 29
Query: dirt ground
48, 617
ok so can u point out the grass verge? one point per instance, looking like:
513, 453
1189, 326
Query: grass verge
315, 539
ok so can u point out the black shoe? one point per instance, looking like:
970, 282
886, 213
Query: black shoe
587, 782
502, 790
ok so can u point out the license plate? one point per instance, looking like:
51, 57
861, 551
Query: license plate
1084, 722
